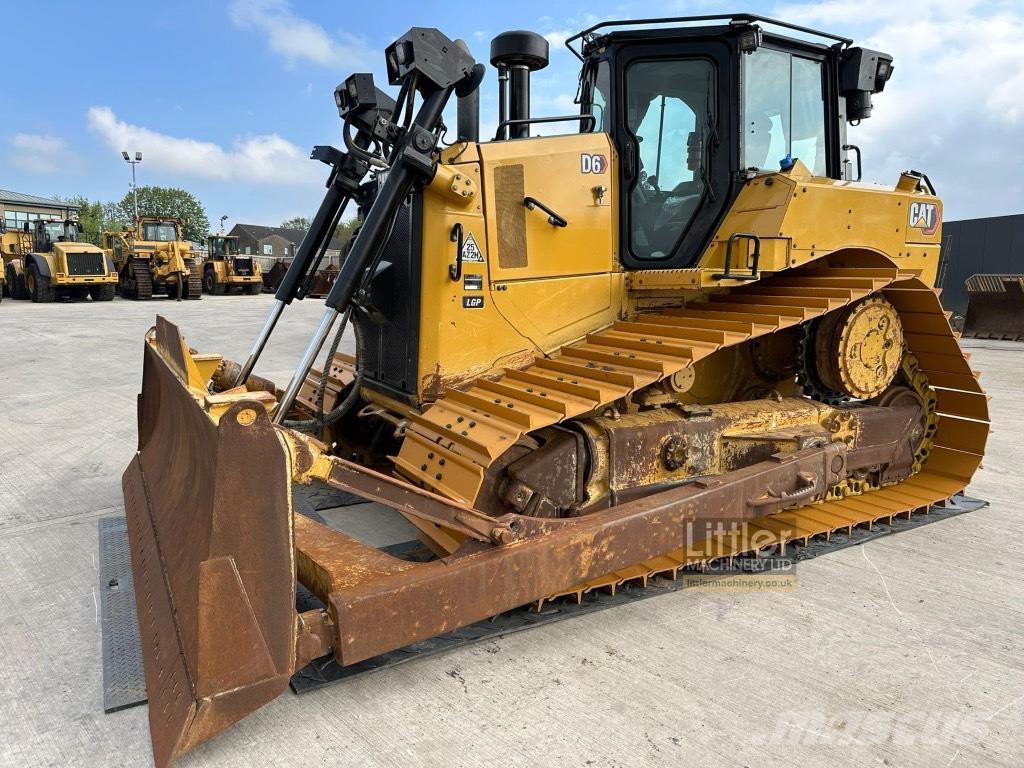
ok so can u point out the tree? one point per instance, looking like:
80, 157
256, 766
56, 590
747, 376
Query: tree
170, 202
345, 229
341, 232
94, 217
296, 222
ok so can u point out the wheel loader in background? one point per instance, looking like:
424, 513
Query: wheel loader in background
226, 267
48, 262
674, 334
14, 243
153, 258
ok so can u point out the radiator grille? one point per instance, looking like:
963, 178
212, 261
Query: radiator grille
86, 264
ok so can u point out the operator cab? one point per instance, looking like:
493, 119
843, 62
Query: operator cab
223, 247
159, 231
695, 111
49, 232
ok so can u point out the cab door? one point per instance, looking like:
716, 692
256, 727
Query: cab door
674, 112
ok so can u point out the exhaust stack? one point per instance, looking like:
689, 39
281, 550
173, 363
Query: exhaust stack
516, 54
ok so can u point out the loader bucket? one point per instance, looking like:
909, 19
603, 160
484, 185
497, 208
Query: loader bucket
209, 521
996, 308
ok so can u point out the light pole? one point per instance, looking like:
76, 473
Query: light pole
135, 187
222, 220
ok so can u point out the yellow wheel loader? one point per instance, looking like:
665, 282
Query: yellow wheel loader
48, 262
226, 267
14, 244
677, 333
153, 258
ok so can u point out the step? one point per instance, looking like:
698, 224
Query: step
609, 380
582, 393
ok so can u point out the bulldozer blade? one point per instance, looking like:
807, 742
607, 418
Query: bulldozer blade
996, 307
209, 521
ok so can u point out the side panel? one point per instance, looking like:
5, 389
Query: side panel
800, 218
562, 172
461, 332
390, 343
527, 286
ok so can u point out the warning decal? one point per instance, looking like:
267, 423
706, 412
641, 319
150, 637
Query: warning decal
471, 251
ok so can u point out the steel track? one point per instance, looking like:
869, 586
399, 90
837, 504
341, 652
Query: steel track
327, 671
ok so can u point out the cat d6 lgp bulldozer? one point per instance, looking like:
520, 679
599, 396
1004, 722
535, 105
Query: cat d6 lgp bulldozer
681, 330
153, 257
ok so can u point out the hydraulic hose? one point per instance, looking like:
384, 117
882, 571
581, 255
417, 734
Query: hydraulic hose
321, 419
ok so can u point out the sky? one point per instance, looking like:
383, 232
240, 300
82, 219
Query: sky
226, 99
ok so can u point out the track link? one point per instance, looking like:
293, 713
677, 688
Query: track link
449, 447
195, 281
143, 279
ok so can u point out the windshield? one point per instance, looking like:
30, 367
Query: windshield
54, 232
160, 232
223, 246
670, 114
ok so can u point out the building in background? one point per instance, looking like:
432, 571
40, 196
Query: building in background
270, 245
18, 209
989, 246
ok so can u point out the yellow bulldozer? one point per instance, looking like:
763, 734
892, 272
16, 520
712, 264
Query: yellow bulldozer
225, 267
679, 332
47, 262
152, 257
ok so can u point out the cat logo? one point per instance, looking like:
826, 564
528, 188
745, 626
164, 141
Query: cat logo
924, 216
593, 163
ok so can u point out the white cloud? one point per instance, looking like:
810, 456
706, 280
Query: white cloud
298, 39
37, 153
953, 108
562, 30
266, 159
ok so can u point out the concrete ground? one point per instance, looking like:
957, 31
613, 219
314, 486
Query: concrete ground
906, 651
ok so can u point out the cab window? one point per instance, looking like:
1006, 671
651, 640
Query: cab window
159, 232
596, 88
670, 115
783, 111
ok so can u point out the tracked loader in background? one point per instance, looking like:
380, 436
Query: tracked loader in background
677, 334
